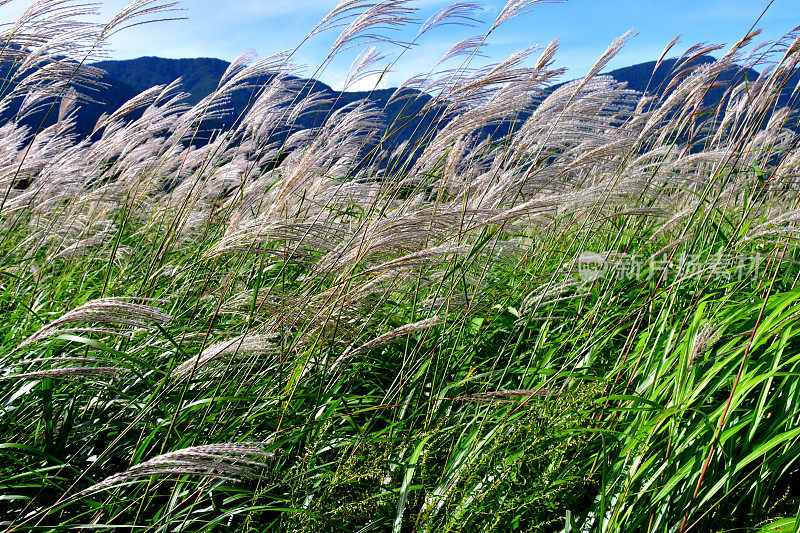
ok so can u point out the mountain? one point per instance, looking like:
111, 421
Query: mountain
643, 78
200, 76
107, 97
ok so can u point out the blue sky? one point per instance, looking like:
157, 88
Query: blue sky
225, 28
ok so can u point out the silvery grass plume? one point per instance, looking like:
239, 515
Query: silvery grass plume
48, 34
348, 197
275, 108
83, 246
389, 15
50, 42
94, 247
365, 65
507, 395
563, 128
402, 232
67, 233
421, 259
168, 124
244, 73
339, 15
123, 153
470, 100
332, 153
609, 54
128, 311
469, 47
456, 14
293, 240
31, 175
484, 99
484, 83
689, 85
372, 22
374, 285
553, 291
516, 8
784, 222
336, 314
140, 12
244, 345
377, 282
63, 368
218, 461
389, 338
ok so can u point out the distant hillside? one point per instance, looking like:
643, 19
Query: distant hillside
200, 76
106, 100
126, 78
642, 78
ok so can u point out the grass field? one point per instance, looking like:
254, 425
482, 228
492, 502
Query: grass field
587, 323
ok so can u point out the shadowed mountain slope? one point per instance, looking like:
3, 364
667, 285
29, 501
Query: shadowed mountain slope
200, 77
106, 97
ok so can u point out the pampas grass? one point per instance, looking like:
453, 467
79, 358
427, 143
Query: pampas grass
289, 329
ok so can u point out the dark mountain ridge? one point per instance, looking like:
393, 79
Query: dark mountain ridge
200, 77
